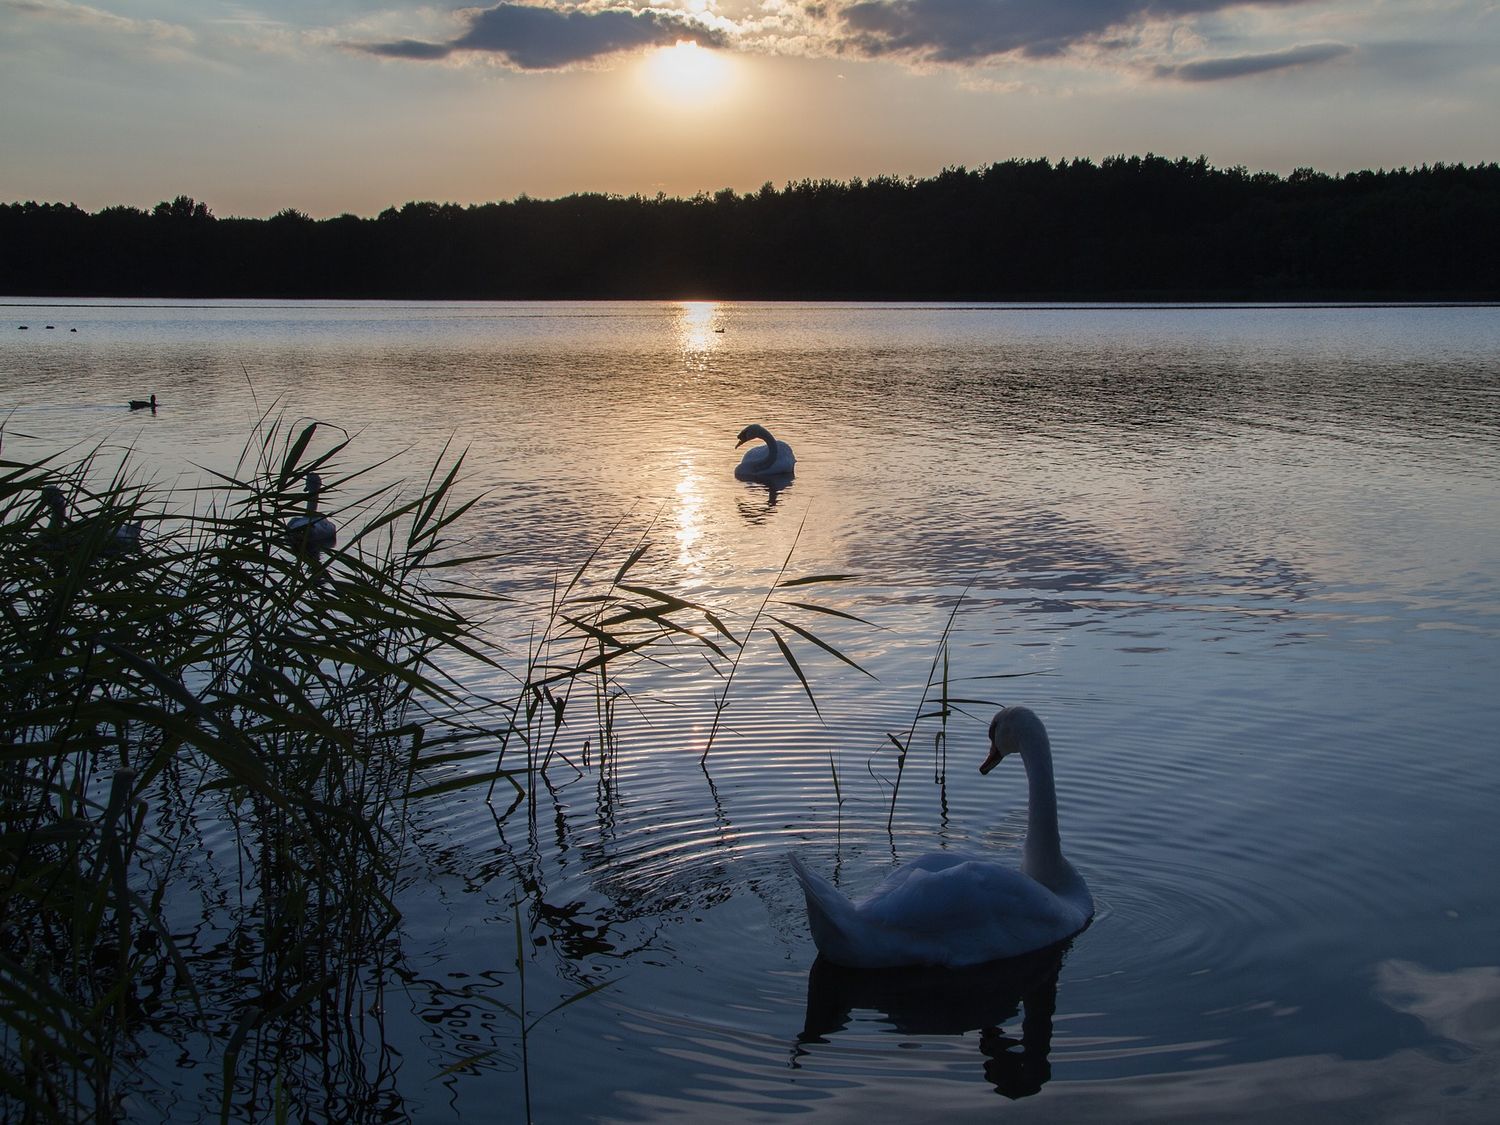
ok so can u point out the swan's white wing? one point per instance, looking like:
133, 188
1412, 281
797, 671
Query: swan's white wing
969, 910
932, 861
763, 462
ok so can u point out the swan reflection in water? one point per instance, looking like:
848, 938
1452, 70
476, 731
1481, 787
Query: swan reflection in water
941, 1001
757, 503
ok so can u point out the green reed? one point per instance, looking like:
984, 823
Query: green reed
938, 702
194, 709
776, 606
171, 665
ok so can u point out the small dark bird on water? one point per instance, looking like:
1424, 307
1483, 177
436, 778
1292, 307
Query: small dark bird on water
143, 404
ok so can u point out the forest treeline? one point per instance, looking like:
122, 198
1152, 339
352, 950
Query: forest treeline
1128, 227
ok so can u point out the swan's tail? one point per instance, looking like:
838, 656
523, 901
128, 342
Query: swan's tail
830, 915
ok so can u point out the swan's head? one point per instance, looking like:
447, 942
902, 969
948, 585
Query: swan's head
1010, 729
755, 432
314, 484
52, 496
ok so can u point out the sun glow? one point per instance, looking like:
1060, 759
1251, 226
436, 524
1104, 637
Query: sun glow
686, 75
698, 327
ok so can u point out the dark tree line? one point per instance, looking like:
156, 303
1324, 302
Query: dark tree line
1130, 227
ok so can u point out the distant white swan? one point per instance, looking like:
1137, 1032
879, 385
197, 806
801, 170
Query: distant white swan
956, 910
143, 404
313, 531
774, 459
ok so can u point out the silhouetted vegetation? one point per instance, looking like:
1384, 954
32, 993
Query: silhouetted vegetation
1144, 227
218, 748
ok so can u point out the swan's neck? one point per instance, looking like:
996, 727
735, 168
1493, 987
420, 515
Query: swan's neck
1043, 859
770, 456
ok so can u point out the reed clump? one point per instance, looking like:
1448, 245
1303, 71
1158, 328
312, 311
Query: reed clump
214, 728
202, 693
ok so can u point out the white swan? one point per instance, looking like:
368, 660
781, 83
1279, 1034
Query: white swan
775, 460
955, 910
65, 534
313, 531
142, 404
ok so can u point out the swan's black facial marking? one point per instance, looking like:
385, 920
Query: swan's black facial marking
998, 749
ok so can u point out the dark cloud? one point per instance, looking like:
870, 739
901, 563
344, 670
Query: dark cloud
1238, 66
408, 49
530, 37
959, 31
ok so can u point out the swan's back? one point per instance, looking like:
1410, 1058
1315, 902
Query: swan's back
941, 909
773, 459
952, 909
979, 909
830, 916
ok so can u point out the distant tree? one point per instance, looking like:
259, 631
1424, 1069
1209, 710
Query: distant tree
1126, 227
182, 209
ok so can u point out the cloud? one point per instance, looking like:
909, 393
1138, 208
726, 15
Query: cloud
409, 49
531, 37
967, 31
1239, 66
62, 11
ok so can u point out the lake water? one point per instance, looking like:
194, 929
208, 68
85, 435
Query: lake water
1248, 560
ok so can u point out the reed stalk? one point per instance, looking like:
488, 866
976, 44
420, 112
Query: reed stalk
939, 683
774, 596
164, 666
197, 708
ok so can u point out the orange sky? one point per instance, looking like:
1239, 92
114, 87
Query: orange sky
342, 105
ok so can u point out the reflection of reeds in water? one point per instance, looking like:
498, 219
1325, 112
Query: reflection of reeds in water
216, 721
520, 1013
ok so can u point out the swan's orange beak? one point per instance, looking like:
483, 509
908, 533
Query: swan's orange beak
993, 760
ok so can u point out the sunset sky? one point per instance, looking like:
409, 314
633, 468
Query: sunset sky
355, 105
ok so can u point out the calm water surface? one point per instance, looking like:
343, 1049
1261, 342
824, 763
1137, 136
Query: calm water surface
1248, 558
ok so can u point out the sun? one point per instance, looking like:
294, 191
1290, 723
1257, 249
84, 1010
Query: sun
686, 75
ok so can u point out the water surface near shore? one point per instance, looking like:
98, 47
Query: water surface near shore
1248, 557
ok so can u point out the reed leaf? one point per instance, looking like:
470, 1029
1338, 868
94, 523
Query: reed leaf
791, 661
822, 644
808, 580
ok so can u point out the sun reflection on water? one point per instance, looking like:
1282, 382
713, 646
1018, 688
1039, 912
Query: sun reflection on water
690, 520
700, 326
